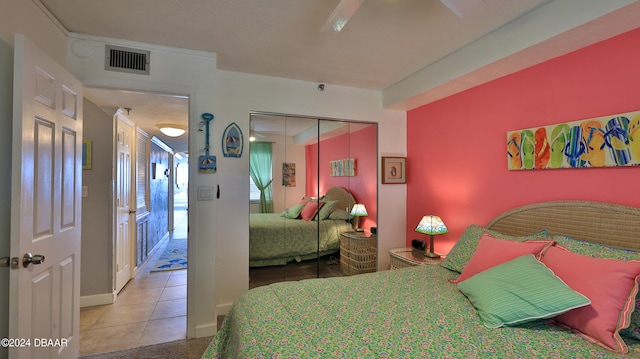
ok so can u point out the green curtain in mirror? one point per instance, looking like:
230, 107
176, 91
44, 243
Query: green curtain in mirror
260, 171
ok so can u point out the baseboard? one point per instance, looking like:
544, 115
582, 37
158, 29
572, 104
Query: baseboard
97, 299
207, 330
151, 254
223, 309
158, 245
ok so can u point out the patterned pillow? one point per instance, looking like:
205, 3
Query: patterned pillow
595, 250
293, 212
501, 298
462, 251
601, 251
610, 284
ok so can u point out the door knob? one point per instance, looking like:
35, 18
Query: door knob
32, 259
132, 211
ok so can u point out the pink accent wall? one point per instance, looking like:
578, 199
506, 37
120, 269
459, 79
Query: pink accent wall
456, 147
360, 145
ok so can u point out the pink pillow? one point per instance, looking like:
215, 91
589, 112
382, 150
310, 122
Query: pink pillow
492, 251
310, 209
610, 284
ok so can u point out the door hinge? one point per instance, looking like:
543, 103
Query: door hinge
14, 262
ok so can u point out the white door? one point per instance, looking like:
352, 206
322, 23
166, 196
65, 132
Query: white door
46, 177
125, 207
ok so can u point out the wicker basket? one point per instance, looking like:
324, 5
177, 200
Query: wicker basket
357, 254
358, 244
360, 255
397, 263
353, 267
350, 267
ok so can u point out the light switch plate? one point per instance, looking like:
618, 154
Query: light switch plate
205, 193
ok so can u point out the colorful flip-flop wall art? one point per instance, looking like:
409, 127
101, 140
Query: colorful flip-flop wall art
605, 141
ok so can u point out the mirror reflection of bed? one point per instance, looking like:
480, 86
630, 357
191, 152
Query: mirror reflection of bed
303, 247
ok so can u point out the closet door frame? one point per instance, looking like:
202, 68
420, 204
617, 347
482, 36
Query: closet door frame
318, 134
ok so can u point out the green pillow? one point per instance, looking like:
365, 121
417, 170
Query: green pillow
326, 210
293, 212
519, 291
462, 251
340, 214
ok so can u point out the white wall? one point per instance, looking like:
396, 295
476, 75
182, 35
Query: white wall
238, 94
25, 17
179, 72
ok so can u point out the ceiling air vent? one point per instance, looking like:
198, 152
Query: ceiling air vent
125, 59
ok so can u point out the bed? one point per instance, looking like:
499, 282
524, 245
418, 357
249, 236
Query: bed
418, 312
275, 239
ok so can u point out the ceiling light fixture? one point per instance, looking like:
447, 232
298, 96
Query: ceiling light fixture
341, 15
172, 129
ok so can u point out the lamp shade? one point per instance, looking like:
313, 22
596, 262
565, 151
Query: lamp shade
431, 225
359, 210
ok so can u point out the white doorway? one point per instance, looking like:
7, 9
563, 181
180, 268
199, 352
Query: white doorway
151, 307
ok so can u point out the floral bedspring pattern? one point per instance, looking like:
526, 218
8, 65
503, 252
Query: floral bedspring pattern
277, 240
407, 313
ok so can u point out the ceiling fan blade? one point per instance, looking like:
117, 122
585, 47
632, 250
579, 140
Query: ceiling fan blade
341, 15
463, 8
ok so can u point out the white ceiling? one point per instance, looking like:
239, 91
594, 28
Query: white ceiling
384, 42
387, 45
146, 110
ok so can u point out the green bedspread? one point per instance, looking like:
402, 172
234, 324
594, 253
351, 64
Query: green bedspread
275, 240
407, 313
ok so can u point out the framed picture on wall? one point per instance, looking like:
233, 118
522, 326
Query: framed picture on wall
394, 170
289, 174
86, 155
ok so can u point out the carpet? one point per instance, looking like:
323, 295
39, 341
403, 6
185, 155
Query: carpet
183, 349
174, 256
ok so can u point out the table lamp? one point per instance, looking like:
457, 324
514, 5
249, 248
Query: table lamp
358, 211
431, 225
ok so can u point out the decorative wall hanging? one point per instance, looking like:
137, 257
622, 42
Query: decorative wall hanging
394, 170
86, 155
344, 167
606, 141
289, 174
207, 163
232, 141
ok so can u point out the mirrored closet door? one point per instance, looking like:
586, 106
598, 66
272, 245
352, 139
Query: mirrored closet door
307, 175
347, 153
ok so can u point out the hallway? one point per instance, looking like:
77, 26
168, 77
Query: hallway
150, 309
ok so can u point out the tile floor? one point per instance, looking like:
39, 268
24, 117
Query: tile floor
150, 309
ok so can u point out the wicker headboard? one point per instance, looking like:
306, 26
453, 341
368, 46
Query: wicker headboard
605, 223
345, 198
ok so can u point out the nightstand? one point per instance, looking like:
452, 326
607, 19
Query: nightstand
358, 252
408, 257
